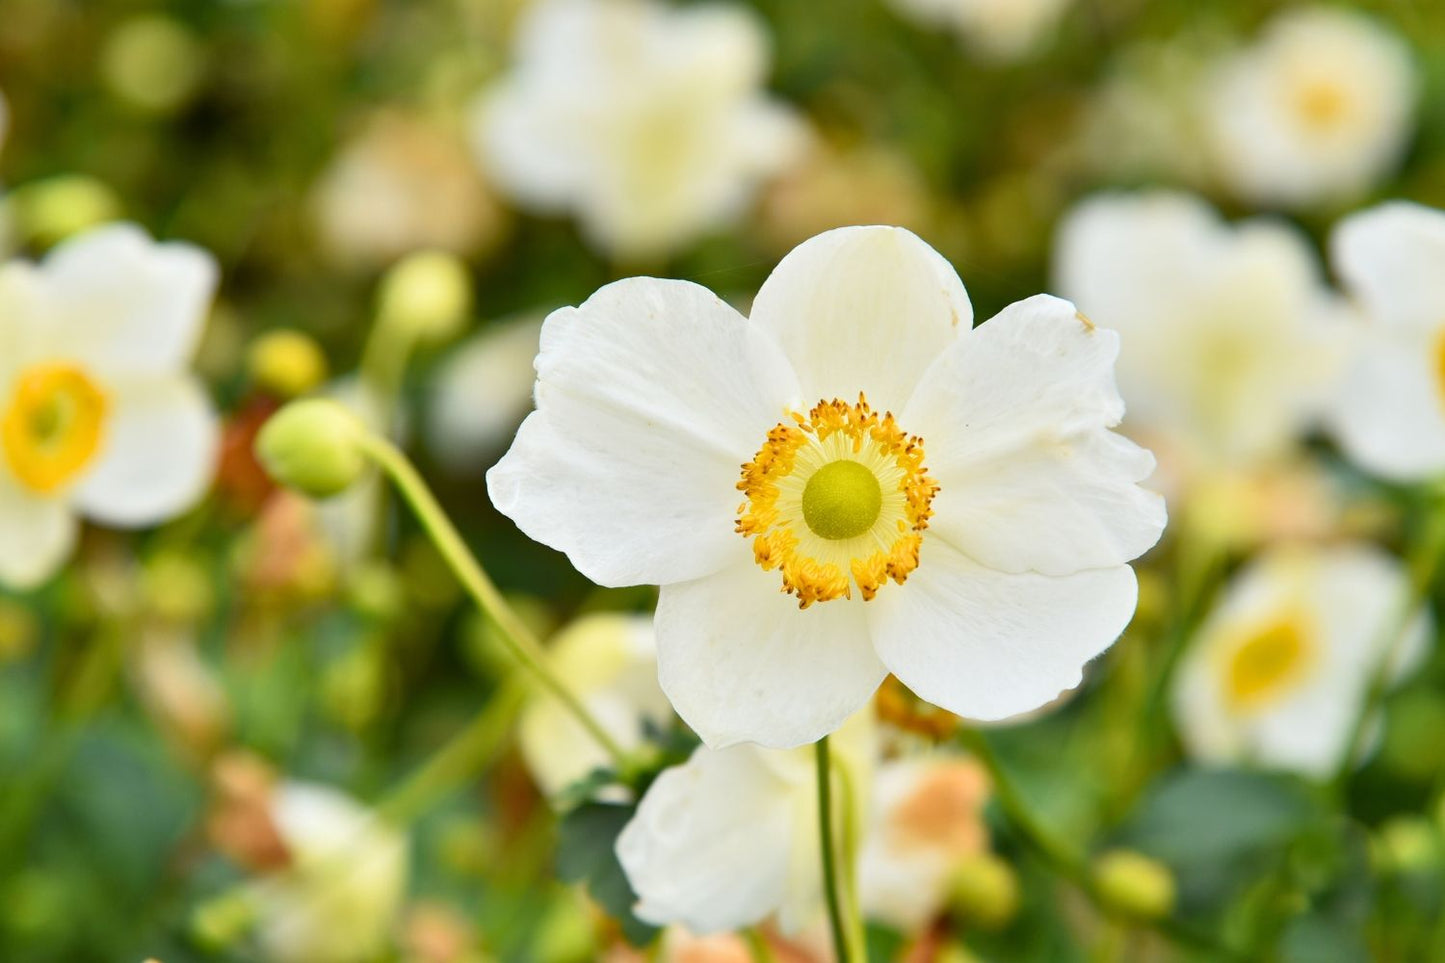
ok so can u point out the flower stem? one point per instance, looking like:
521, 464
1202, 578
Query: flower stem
832, 883
514, 633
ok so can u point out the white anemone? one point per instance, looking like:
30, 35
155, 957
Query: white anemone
1230, 334
646, 122
99, 414
917, 495
1317, 110
1279, 670
1389, 412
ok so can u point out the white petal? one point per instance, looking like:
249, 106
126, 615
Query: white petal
989, 645
127, 305
742, 663
1389, 257
157, 455
650, 397
863, 309
1015, 421
711, 844
36, 535
1389, 411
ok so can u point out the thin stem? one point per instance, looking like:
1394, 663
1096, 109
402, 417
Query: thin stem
758, 946
841, 948
1424, 562
514, 633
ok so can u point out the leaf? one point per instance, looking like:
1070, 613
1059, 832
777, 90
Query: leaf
587, 853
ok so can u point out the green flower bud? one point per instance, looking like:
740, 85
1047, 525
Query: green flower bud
428, 295
222, 922
152, 63
376, 591
1133, 885
983, 891
286, 363
177, 587
1407, 844
53, 209
313, 446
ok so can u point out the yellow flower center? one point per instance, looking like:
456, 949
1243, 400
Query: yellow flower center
1322, 104
1266, 662
51, 428
837, 498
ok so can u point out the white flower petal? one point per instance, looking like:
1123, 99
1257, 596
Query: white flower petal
127, 305
711, 844
1389, 410
650, 397
863, 309
1015, 421
36, 535
158, 453
1389, 257
988, 645
742, 663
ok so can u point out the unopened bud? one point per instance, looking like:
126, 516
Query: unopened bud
222, 922
428, 294
983, 891
1407, 844
1134, 885
53, 209
152, 62
313, 446
177, 587
286, 363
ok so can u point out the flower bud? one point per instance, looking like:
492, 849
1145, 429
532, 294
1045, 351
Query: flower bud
52, 209
1407, 844
152, 63
1134, 885
983, 891
286, 363
428, 294
376, 591
222, 922
177, 587
313, 446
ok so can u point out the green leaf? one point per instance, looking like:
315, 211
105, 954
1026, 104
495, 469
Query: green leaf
587, 853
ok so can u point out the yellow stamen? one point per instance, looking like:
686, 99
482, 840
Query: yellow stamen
837, 499
1269, 659
1322, 103
52, 426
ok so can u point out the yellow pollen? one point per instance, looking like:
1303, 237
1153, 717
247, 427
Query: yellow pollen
837, 499
1269, 659
1322, 103
52, 425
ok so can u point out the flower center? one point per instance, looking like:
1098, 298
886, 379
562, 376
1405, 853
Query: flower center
1267, 662
837, 499
1322, 104
842, 500
51, 428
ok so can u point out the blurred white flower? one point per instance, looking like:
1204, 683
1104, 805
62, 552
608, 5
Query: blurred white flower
1001, 29
337, 899
1228, 335
730, 838
609, 660
780, 616
927, 816
646, 122
403, 184
481, 393
1317, 110
1389, 411
1278, 671
99, 415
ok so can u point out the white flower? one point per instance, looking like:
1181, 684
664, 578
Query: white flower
99, 415
1389, 411
482, 392
1317, 110
1278, 671
646, 122
609, 661
730, 837
927, 816
1002, 29
998, 492
338, 897
1227, 346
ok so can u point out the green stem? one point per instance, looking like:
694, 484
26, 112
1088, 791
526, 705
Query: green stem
1423, 564
514, 633
841, 948
758, 946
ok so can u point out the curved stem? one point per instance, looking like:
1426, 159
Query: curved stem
514, 633
831, 882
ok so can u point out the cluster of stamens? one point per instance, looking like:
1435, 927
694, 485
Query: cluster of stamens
813, 513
